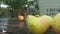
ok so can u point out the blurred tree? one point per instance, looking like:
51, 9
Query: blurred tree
17, 6
3, 11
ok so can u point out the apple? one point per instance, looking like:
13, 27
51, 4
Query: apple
20, 18
56, 23
37, 25
49, 19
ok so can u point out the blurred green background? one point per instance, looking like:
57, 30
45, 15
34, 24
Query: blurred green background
11, 9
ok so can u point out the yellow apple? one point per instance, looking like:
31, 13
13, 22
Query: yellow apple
37, 25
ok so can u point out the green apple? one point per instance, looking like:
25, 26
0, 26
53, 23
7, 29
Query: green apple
36, 25
50, 19
56, 25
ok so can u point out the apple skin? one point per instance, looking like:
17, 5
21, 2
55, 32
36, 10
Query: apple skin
56, 23
20, 18
36, 25
37, 15
49, 19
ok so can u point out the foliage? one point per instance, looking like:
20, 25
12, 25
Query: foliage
15, 4
18, 5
